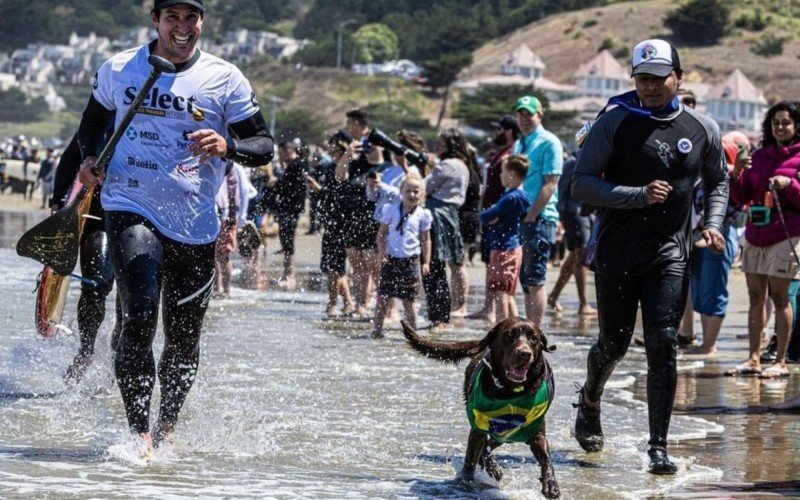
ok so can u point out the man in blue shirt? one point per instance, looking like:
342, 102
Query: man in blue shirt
538, 229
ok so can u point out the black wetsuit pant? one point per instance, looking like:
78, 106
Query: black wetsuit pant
96, 266
662, 295
150, 267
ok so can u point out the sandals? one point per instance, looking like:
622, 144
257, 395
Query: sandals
743, 370
774, 371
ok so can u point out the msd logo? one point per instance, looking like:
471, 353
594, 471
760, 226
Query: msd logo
145, 135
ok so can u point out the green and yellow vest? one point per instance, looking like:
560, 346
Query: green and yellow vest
513, 420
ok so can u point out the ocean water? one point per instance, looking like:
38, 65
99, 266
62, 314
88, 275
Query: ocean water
289, 405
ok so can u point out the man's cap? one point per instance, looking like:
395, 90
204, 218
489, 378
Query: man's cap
655, 57
507, 122
530, 104
341, 135
163, 4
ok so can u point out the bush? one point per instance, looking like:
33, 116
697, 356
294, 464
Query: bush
291, 123
769, 45
392, 116
699, 22
590, 23
607, 44
756, 22
17, 108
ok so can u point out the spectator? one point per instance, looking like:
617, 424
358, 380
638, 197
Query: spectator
47, 172
503, 220
446, 189
545, 153
404, 245
290, 192
769, 259
506, 132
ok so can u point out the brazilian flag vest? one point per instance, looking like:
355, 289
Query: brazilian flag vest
513, 420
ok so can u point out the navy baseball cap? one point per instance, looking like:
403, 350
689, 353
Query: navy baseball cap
163, 4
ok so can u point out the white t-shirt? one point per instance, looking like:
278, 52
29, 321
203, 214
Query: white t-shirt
152, 172
395, 174
408, 243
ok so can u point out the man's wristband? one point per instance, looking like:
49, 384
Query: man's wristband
231, 148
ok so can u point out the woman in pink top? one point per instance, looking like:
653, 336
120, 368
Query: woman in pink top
768, 261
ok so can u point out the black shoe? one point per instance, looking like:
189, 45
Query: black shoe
770, 354
588, 430
660, 464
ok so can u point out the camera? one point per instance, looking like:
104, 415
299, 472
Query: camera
759, 215
366, 146
380, 138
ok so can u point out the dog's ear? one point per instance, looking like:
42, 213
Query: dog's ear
543, 340
490, 337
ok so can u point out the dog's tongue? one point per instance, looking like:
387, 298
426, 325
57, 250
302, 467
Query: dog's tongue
517, 374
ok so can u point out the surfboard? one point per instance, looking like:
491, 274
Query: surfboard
51, 288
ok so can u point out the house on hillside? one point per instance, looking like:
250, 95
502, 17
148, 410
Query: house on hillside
603, 76
521, 67
737, 104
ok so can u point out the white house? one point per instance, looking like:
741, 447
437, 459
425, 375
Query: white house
602, 77
522, 67
737, 104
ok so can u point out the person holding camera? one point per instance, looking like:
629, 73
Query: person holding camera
769, 260
333, 215
362, 229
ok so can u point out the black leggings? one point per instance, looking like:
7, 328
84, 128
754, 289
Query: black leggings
145, 262
662, 295
437, 292
96, 266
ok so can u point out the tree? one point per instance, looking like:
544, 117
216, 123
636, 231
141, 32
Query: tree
442, 72
16, 108
490, 102
699, 22
375, 43
291, 123
395, 115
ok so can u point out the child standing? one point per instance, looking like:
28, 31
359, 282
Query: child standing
403, 240
503, 220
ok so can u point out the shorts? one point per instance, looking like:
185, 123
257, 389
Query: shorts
226, 240
287, 226
334, 256
709, 277
774, 260
362, 233
503, 271
538, 238
400, 278
577, 230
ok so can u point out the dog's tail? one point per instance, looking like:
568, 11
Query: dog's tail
447, 352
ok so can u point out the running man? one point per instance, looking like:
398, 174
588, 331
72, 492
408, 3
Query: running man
639, 165
158, 195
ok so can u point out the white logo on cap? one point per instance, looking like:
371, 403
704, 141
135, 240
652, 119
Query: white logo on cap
685, 146
649, 52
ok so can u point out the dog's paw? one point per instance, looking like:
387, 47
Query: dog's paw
493, 469
550, 488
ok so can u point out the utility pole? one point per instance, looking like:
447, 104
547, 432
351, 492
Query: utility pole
339, 29
274, 103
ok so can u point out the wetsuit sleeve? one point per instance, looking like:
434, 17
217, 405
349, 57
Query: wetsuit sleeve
253, 146
66, 171
587, 184
714, 172
91, 131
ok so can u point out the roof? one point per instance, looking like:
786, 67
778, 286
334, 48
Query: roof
603, 65
539, 83
523, 56
737, 88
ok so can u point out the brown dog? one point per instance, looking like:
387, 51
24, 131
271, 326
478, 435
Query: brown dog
508, 387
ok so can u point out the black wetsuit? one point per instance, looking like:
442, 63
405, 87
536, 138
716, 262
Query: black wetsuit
642, 250
94, 257
149, 267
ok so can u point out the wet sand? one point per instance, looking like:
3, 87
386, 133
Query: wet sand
757, 453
